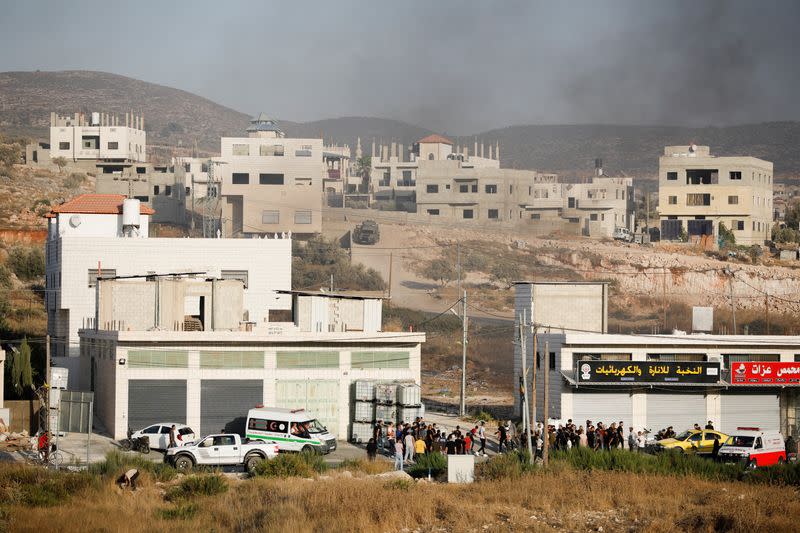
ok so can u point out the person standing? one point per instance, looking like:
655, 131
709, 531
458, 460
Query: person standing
377, 434
502, 433
583, 439
631, 439
408, 440
420, 448
715, 449
710, 425
173, 442
641, 441
390, 437
398, 455
372, 449
482, 438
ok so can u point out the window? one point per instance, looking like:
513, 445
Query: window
406, 175
241, 275
158, 358
63, 146
113, 146
270, 217
536, 216
702, 176
673, 200
736, 175
104, 273
468, 213
696, 199
493, 213
187, 190
231, 359
672, 176
491, 189
168, 190
156, 190
463, 188
379, 359
571, 202
593, 216
307, 359
303, 181
304, 151
475, 188
738, 225
733, 200
510, 189
270, 179
240, 149
271, 150
141, 170
553, 361
152, 430
433, 211
240, 178
302, 217
430, 157
432, 189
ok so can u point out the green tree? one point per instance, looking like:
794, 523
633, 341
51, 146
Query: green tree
26, 372
439, 270
60, 162
792, 217
27, 263
364, 170
726, 237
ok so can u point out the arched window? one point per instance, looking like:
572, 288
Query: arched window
430, 157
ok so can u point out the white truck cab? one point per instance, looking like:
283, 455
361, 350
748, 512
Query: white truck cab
293, 430
754, 447
224, 449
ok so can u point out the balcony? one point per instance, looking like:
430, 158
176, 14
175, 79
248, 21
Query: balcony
334, 174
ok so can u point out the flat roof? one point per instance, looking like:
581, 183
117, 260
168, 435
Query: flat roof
671, 339
255, 337
350, 295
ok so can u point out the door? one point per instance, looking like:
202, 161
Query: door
205, 451
749, 409
681, 410
151, 401
224, 404
163, 437
707, 444
319, 398
226, 450
605, 407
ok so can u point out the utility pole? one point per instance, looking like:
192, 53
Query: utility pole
463, 407
647, 211
458, 267
391, 262
664, 297
526, 424
766, 309
546, 391
733, 302
535, 373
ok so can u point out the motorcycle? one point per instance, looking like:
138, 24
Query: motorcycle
138, 444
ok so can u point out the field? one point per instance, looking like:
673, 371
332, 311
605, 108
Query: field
558, 499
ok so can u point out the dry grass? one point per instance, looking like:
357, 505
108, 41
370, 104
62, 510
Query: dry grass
572, 501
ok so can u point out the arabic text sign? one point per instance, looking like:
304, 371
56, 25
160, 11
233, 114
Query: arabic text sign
765, 373
647, 372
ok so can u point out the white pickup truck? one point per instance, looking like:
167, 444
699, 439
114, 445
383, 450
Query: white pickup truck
221, 450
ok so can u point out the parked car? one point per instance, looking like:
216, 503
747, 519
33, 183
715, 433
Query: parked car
622, 234
293, 430
692, 441
221, 450
367, 233
754, 448
159, 435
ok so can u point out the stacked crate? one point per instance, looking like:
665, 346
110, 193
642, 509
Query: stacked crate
386, 401
363, 410
409, 400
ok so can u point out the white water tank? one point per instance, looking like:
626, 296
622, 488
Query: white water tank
130, 212
95, 119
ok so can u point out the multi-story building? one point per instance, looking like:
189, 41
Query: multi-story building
271, 183
99, 137
697, 192
108, 235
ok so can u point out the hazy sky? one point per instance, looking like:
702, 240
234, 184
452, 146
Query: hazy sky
457, 67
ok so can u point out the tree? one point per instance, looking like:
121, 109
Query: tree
792, 217
20, 371
726, 237
9, 156
364, 170
439, 270
60, 162
506, 272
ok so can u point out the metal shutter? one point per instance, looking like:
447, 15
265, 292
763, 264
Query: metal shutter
318, 397
677, 409
606, 407
746, 409
156, 400
224, 403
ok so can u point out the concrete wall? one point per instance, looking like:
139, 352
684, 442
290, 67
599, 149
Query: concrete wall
93, 225
132, 143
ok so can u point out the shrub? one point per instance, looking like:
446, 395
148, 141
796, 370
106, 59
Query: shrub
364, 466
484, 416
433, 463
74, 180
5, 277
304, 464
27, 263
202, 485
506, 466
117, 462
38, 487
180, 512
403, 485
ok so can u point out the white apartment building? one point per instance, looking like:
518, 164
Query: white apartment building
99, 136
697, 191
271, 183
90, 232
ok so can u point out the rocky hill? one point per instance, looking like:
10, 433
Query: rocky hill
176, 118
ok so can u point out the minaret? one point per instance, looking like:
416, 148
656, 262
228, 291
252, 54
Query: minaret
358, 148
475, 150
491, 151
497, 151
400, 152
483, 151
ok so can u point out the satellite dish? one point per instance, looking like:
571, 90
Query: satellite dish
75, 221
693, 148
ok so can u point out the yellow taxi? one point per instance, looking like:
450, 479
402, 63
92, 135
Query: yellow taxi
699, 441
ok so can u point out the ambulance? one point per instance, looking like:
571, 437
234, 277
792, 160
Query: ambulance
293, 430
754, 447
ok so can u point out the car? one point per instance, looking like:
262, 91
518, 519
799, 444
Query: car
622, 234
754, 448
159, 434
367, 232
294, 430
223, 449
700, 441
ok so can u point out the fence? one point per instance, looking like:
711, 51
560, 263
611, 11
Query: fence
24, 415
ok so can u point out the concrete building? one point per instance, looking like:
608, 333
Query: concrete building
271, 183
98, 136
92, 234
698, 191
160, 186
655, 381
210, 378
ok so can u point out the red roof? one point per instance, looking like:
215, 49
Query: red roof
97, 204
436, 139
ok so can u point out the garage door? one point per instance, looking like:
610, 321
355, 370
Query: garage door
224, 403
744, 409
679, 410
606, 407
156, 400
320, 398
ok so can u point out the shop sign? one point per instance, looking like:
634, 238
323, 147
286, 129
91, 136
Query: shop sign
647, 372
765, 373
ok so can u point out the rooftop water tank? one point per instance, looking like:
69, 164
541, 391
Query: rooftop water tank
95, 119
130, 212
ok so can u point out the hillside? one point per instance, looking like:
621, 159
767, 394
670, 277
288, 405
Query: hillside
177, 118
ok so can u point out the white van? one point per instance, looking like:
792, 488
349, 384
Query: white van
293, 430
754, 448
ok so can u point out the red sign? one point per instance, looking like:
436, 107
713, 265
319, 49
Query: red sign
765, 373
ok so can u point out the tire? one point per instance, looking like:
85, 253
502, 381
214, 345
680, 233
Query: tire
309, 449
126, 445
184, 463
251, 462
55, 459
145, 450
752, 464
